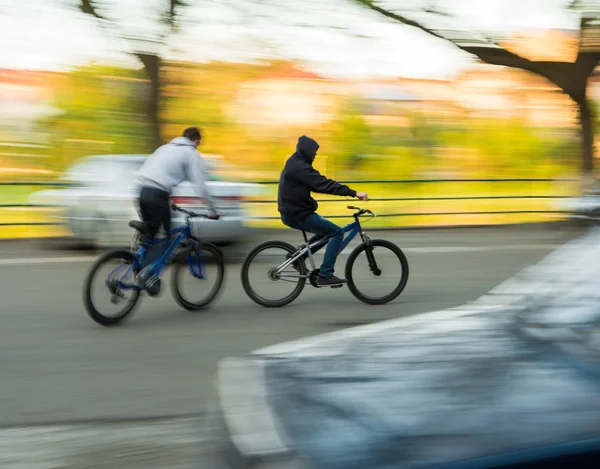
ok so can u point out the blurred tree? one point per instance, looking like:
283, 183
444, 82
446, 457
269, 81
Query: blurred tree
570, 77
424, 134
155, 29
151, 60
352, 138
101, 111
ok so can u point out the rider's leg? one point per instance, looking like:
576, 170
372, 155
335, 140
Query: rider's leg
165, 214
312, 240
155, 211
154, 208
321, 227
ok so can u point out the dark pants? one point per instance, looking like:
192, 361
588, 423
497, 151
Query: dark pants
321, 227
155, 210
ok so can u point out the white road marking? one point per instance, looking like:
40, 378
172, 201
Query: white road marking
28, 261
451, 249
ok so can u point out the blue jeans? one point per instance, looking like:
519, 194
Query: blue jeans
321, 227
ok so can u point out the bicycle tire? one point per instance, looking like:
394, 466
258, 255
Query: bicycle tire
403, 279
246, 283
87, 297
177, 270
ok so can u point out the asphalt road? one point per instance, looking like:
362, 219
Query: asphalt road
59, 367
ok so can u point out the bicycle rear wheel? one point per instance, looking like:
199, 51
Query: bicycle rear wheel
197, 281
377, 272
263, 284
117, 267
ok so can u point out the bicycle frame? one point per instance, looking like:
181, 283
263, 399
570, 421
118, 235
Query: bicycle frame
352, 229
181, 233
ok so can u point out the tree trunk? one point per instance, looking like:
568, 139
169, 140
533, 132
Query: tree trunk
587, 140
152, 67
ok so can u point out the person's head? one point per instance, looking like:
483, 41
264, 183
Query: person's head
193, 133
307, 147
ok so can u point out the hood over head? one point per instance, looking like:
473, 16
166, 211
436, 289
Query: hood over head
307, 147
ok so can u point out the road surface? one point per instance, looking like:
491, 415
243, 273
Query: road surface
60, 368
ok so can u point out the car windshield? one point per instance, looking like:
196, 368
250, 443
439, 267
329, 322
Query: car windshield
95, 171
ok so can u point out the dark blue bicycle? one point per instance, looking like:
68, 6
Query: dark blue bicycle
139, 269
376, 270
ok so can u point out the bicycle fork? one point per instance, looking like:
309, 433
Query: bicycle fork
370, 256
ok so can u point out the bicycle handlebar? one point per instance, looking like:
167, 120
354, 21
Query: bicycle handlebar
361, 211
187, 212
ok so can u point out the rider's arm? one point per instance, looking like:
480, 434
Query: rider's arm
198, 177
319, 183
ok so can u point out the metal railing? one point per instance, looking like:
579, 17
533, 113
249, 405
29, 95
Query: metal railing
4, 223
443, 198
429, 198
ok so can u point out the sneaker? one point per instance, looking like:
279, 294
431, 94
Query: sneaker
332, 281
152, 285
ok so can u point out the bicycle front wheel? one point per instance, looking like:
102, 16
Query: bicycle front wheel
196, 282
117, 295
261, 281
377, 272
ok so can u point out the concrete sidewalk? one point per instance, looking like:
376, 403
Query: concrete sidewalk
180, 443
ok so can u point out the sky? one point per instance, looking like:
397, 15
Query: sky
332, 37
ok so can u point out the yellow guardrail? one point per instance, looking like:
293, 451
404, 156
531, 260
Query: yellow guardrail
397, 203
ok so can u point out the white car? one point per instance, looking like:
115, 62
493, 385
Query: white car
583, 210
101, 200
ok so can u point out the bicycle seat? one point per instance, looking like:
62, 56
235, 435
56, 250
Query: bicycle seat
138, 225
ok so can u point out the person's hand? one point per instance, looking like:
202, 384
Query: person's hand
362, 196
214, 216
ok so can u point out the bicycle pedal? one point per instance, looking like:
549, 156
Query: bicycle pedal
116, 298
337, 286
153, 286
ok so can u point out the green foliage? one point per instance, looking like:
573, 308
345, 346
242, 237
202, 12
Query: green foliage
509, 148
351, 137
101, 111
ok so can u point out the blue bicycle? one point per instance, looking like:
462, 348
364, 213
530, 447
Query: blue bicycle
376, 270
131, 271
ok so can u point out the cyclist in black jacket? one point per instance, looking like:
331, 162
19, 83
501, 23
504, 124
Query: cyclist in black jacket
298, 208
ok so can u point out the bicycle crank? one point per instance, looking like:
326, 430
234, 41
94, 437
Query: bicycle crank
116, 295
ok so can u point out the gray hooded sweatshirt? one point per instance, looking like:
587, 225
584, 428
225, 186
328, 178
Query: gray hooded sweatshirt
173, 163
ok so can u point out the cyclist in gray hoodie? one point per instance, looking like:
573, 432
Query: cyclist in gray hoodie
168, 166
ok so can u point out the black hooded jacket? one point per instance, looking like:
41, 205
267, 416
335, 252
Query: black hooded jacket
299, 178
